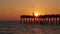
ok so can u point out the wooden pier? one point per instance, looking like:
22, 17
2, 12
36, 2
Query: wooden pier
41, 19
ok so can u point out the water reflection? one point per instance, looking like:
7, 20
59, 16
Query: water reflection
17, 28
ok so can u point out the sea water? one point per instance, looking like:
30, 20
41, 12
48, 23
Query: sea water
14, 27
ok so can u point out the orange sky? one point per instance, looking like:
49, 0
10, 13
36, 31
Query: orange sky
12, 9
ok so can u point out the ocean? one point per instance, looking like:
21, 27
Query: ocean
14, 27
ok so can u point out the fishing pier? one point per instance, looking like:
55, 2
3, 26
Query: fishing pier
41, 19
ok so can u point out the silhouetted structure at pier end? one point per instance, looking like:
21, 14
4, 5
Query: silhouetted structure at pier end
41, 19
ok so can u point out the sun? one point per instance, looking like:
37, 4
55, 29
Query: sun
36, 14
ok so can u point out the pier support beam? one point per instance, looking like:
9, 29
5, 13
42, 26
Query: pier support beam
26, 21
53, 21
29, 21
34, 20
59, 20
56, 21
50, 21
47, 20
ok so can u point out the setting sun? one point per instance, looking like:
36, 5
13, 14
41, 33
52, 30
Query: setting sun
36, 14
